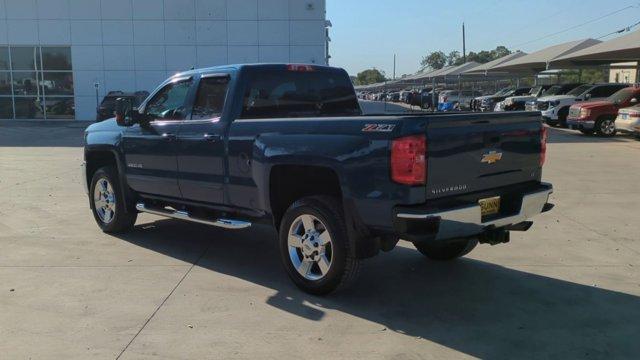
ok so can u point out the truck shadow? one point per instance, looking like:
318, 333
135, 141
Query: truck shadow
477, 308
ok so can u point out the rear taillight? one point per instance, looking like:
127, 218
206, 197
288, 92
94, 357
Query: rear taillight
408, 160
543, 145
634, 114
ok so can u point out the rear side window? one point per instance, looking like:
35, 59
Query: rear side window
284, 93
210, 98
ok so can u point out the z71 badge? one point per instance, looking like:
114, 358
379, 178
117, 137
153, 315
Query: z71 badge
378, 128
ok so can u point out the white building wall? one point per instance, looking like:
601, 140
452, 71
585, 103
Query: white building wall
133, 45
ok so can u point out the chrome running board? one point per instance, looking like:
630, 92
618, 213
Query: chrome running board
183, 215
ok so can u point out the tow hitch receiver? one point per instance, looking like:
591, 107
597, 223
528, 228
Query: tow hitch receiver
494, 237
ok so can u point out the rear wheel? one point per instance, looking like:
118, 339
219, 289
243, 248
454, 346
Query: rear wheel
108, 205
314, 246
449, 250
606, 127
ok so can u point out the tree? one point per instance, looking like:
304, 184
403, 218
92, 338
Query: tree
369, 76
435, 60
454, 58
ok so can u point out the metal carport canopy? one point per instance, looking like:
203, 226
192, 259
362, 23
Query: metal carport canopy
539, 60
622, 49
488, 67
457, 70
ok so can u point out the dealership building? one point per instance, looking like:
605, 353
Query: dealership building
59, 57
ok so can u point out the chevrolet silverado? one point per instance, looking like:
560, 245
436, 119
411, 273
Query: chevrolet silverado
288, 146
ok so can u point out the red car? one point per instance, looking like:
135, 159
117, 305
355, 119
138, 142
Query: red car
600, 116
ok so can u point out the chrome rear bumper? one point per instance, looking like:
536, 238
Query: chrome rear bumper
467, 221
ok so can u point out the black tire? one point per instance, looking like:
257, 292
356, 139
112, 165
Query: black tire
344, 265
449, 250
603, 127
125, 217
562, 117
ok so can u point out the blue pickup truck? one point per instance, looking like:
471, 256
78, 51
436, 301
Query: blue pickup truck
288, 146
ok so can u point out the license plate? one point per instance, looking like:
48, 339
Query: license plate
489, 206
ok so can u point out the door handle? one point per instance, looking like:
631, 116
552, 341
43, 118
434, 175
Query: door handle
212, 137
169, 136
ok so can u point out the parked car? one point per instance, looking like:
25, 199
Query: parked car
514, 103
600, 116
461, 99
287, 146
476, 103
108, 104
427, 96
628, 120
555, 109
394, 97
488, 103
519, 103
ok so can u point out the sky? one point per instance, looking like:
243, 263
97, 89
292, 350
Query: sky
366, 33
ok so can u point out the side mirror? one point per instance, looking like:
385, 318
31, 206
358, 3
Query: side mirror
587, 96
126, 114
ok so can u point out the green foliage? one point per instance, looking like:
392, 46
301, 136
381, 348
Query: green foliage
587, 76
369, 76
435, 60
438, 59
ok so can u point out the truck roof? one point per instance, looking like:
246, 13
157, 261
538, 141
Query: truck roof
238, 67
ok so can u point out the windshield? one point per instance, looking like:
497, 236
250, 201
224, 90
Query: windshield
579, 90
504, 91
554, 90
621, 96
535, 90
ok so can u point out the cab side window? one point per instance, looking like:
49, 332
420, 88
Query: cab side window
169, 102
210, 98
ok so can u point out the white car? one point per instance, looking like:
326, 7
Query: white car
628, 120
463, 98
555, 109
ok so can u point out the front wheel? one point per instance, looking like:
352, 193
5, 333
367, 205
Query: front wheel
314, 246
108, 204
447, 251
606, 127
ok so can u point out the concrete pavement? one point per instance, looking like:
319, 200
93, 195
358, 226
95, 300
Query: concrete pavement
568, 288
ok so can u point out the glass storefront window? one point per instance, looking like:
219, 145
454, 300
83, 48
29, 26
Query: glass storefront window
58, 83
56, 58
26, 83
4, 58
6, 108
5, 83
25, 58
36, 82
29, 108
60, 108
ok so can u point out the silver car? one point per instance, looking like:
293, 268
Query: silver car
628, 120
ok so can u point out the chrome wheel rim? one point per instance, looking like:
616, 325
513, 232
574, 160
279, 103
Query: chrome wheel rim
104, 200
608, 127
310, 247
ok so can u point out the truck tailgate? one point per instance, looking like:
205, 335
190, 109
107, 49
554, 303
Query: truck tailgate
476, 153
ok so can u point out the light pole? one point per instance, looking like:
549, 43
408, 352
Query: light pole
96, 85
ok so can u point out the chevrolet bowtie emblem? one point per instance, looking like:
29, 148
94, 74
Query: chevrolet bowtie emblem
492, 157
